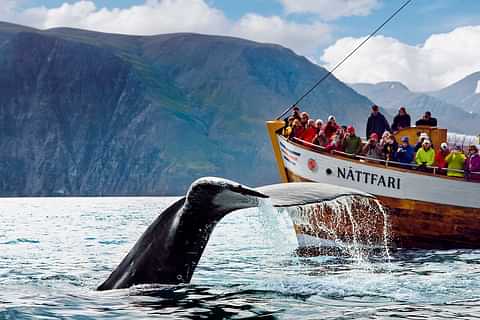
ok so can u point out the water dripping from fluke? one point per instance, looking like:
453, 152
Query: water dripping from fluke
351, 226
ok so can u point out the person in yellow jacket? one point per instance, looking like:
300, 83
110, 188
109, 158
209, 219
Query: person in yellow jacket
425, 155
287, 130
456, 161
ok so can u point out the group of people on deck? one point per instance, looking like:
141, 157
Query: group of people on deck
382, 144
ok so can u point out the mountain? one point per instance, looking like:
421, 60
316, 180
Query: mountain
392, 95
464, 93
88, 113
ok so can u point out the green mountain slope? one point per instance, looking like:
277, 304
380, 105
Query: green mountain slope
86, 113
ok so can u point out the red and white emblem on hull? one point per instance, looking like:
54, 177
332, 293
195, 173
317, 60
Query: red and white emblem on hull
312, 165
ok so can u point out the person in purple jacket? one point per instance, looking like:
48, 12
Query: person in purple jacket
472, 165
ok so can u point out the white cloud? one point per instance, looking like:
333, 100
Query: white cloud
304, 38
152, 17
166, 16
441, 60
7, 7
331, 9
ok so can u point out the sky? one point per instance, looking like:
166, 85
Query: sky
429, 45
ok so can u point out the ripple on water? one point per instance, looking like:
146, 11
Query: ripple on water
20, 241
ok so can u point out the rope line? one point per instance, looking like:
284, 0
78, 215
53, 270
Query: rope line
344, 59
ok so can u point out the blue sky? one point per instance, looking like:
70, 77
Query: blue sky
430, 44
415, 24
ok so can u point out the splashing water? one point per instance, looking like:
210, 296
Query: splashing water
279, 236
350, 225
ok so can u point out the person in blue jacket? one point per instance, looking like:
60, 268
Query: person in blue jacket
405, 152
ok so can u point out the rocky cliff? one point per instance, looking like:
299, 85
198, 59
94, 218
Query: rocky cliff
85, 113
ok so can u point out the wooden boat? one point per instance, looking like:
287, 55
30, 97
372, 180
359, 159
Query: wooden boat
426, 210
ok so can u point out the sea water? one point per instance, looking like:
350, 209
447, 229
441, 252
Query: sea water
55, 251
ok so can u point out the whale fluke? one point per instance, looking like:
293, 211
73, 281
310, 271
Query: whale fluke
170, 248
303, 193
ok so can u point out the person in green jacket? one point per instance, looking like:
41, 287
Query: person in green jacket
425, 155
456, 161
352, 144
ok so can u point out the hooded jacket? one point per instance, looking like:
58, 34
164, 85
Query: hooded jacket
426, 157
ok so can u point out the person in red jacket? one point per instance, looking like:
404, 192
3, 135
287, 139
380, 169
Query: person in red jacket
331, 127
311, 131
297, 130
440, 157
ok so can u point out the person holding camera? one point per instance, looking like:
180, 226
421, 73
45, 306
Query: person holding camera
456, 162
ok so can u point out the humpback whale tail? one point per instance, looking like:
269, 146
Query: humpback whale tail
169, 250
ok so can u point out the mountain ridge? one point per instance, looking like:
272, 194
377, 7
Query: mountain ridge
86, 113
393, 94
464, 93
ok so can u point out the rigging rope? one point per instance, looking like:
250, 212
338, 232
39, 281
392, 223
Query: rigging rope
344, 59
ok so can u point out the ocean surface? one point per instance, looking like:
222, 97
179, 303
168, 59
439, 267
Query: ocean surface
55, 251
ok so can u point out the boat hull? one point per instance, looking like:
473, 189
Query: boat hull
411, 224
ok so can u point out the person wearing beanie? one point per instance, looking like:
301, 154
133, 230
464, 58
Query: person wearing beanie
331, 127
310, 132
425, 156
373, 149
423, 136
405, 152
352, 143
440, 157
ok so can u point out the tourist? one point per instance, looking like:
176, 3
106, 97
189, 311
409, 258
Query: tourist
319, 125
425, 156
376, 122
297, 129
304, 117
456, 162
372, 149
423, 136
405, 152
332, 144
472, 164
321, 139
287, 130
310, 132
331, 127
340, 139
440, 157
402, 120
296, 113
427, 120
390, 147
352, 144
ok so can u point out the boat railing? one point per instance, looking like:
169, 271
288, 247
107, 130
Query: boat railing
412, 166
